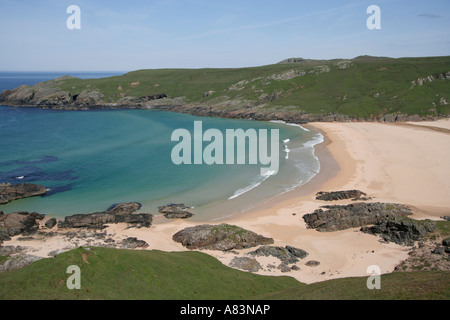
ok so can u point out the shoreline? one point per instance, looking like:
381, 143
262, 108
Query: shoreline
350, 159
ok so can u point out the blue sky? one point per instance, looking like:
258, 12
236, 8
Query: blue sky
137, 34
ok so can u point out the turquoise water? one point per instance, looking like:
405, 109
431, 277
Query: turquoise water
92, 159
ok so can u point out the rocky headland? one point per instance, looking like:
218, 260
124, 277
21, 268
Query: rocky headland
250, 94
10, 192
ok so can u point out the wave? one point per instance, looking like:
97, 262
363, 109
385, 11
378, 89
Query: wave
289, 124
286, 149
317, 139
253, 185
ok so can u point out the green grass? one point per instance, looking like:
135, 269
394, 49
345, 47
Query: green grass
394, 286
127, 274
368, 87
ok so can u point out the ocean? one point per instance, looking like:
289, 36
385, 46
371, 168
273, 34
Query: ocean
90, 160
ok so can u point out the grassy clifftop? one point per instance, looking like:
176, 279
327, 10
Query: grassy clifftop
364, 88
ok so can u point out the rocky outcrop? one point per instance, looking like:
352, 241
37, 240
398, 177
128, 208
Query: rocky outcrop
245, 263
175, 211
437, 76
222, 237
133, 243
10, 192
9, 250
121, 213
287, 254
18, 261
353, 215
17, 223
140, 101
312, 263
425, 257
50, 223
291, 60
89, 98
401, 230
340, 195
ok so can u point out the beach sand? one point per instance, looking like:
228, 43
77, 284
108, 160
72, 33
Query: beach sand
401, 163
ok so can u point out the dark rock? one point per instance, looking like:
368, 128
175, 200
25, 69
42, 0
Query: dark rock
175, 211
438, 249
219, 237
9, 250
446, 242
299, 253
446, 218
295, 268
245, 263
10, 192
121, 213
287, 255
17, 223
26, 238
352, 215
50, 223
124, 208
312, 263
284, 267
401, 230
133, 243
340, 195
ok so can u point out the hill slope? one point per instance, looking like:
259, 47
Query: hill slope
369, 88
127, 274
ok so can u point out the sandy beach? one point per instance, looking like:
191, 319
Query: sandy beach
401, 163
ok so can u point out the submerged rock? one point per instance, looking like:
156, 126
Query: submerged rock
353, 215
10, 192
223, 237
121, 213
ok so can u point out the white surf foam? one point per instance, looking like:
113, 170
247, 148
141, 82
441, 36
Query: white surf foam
260, 179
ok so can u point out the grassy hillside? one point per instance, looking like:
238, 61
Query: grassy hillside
394, 286
361, 87
125, 274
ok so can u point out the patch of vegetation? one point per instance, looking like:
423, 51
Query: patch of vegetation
363, 88
394, 286
3, 259
442, 230
126, 274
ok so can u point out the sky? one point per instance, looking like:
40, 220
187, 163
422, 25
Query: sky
136, 34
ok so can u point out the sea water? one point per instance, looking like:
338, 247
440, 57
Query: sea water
90, 160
